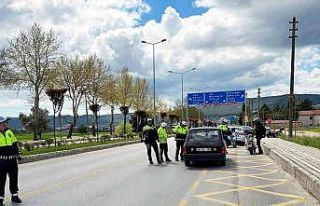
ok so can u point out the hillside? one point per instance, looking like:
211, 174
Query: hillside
104, 120
271, 101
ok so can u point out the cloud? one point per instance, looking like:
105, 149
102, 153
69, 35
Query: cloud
240, 44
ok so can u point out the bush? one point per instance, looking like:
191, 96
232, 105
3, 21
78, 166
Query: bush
83, 129
119, 129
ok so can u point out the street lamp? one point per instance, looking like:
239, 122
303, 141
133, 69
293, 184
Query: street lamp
154, 76
182, 73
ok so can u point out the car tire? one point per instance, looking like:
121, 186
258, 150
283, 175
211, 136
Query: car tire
223, 163
187, 163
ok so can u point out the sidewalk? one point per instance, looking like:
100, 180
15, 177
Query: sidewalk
301, 162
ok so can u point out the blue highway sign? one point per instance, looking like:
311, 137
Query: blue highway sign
224, 97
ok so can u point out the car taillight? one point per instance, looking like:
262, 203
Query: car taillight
223, 150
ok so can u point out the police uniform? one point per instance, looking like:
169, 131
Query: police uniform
181, 133
151, 136
9, 153
163, 136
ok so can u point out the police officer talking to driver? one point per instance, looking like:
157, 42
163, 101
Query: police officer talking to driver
151, 137
9, 153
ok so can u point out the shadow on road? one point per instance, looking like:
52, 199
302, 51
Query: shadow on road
212, 165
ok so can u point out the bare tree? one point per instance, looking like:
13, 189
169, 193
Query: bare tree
31, 55
141, 97
125, 93
141, 101
98, 75
108, 95
73, 75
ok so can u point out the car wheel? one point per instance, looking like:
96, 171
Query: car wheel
187, 163
223, 163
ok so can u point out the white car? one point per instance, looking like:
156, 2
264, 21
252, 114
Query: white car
239, 133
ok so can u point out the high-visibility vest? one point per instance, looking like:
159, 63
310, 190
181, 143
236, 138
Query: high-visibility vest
181, 130
7, 138
163, 135
223, 127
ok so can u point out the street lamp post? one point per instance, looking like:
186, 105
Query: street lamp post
154, 75
182, 73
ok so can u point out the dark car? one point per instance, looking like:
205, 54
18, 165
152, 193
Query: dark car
204, 144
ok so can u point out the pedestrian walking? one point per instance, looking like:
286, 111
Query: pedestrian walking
163, 136
181, 133
151, 137
9, 153
260, 132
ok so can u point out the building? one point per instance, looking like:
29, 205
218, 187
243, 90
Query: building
309, 118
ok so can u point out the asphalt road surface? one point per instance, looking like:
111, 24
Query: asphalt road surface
122, 176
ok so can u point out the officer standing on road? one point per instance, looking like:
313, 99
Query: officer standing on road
9, 153
225, 131
163, 136
260, 132
151, 137
181, 133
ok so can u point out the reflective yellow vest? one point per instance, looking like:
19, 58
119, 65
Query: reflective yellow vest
163, 135
7, 138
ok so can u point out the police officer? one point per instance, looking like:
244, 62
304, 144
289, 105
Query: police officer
260, 132
151, 137
181, 133
163, 136
9, 153
225, 131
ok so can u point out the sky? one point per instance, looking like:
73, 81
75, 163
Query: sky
234, 44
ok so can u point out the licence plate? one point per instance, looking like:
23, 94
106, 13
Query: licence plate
203, 149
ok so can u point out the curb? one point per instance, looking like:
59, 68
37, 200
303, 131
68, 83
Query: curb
309, 182
63, 153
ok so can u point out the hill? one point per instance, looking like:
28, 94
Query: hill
271, 102
104, 120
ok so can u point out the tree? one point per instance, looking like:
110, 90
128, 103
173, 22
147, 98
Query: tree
98, 75
125, 93
140, 102
29, 124
264, 112
31, 55
305, 105
108, 96
57, 98
72, 74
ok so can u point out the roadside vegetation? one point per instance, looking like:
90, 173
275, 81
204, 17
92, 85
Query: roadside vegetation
307, 141
42, 150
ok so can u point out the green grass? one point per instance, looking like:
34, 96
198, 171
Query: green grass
48, 135
314, 129
73, 146
307, 141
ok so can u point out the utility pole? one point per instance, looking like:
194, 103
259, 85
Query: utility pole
293, 37
259, 93
246, 110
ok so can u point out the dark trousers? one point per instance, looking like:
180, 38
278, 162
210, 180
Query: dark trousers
155, 149
179, 145
259, 145
164, 149
10, 168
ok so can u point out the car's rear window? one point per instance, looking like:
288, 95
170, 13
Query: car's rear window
204, 135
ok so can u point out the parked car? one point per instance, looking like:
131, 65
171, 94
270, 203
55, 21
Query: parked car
204, 144
240, 134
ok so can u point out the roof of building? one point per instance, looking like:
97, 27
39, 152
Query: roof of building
309, 113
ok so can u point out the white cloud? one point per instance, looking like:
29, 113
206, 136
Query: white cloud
241, 44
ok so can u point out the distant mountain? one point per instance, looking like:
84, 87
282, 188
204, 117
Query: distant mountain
282, 100
104, 120
271, 101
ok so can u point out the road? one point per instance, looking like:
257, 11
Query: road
122, 176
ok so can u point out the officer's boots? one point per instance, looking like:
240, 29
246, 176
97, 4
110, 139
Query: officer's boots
1, 202
16, 199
